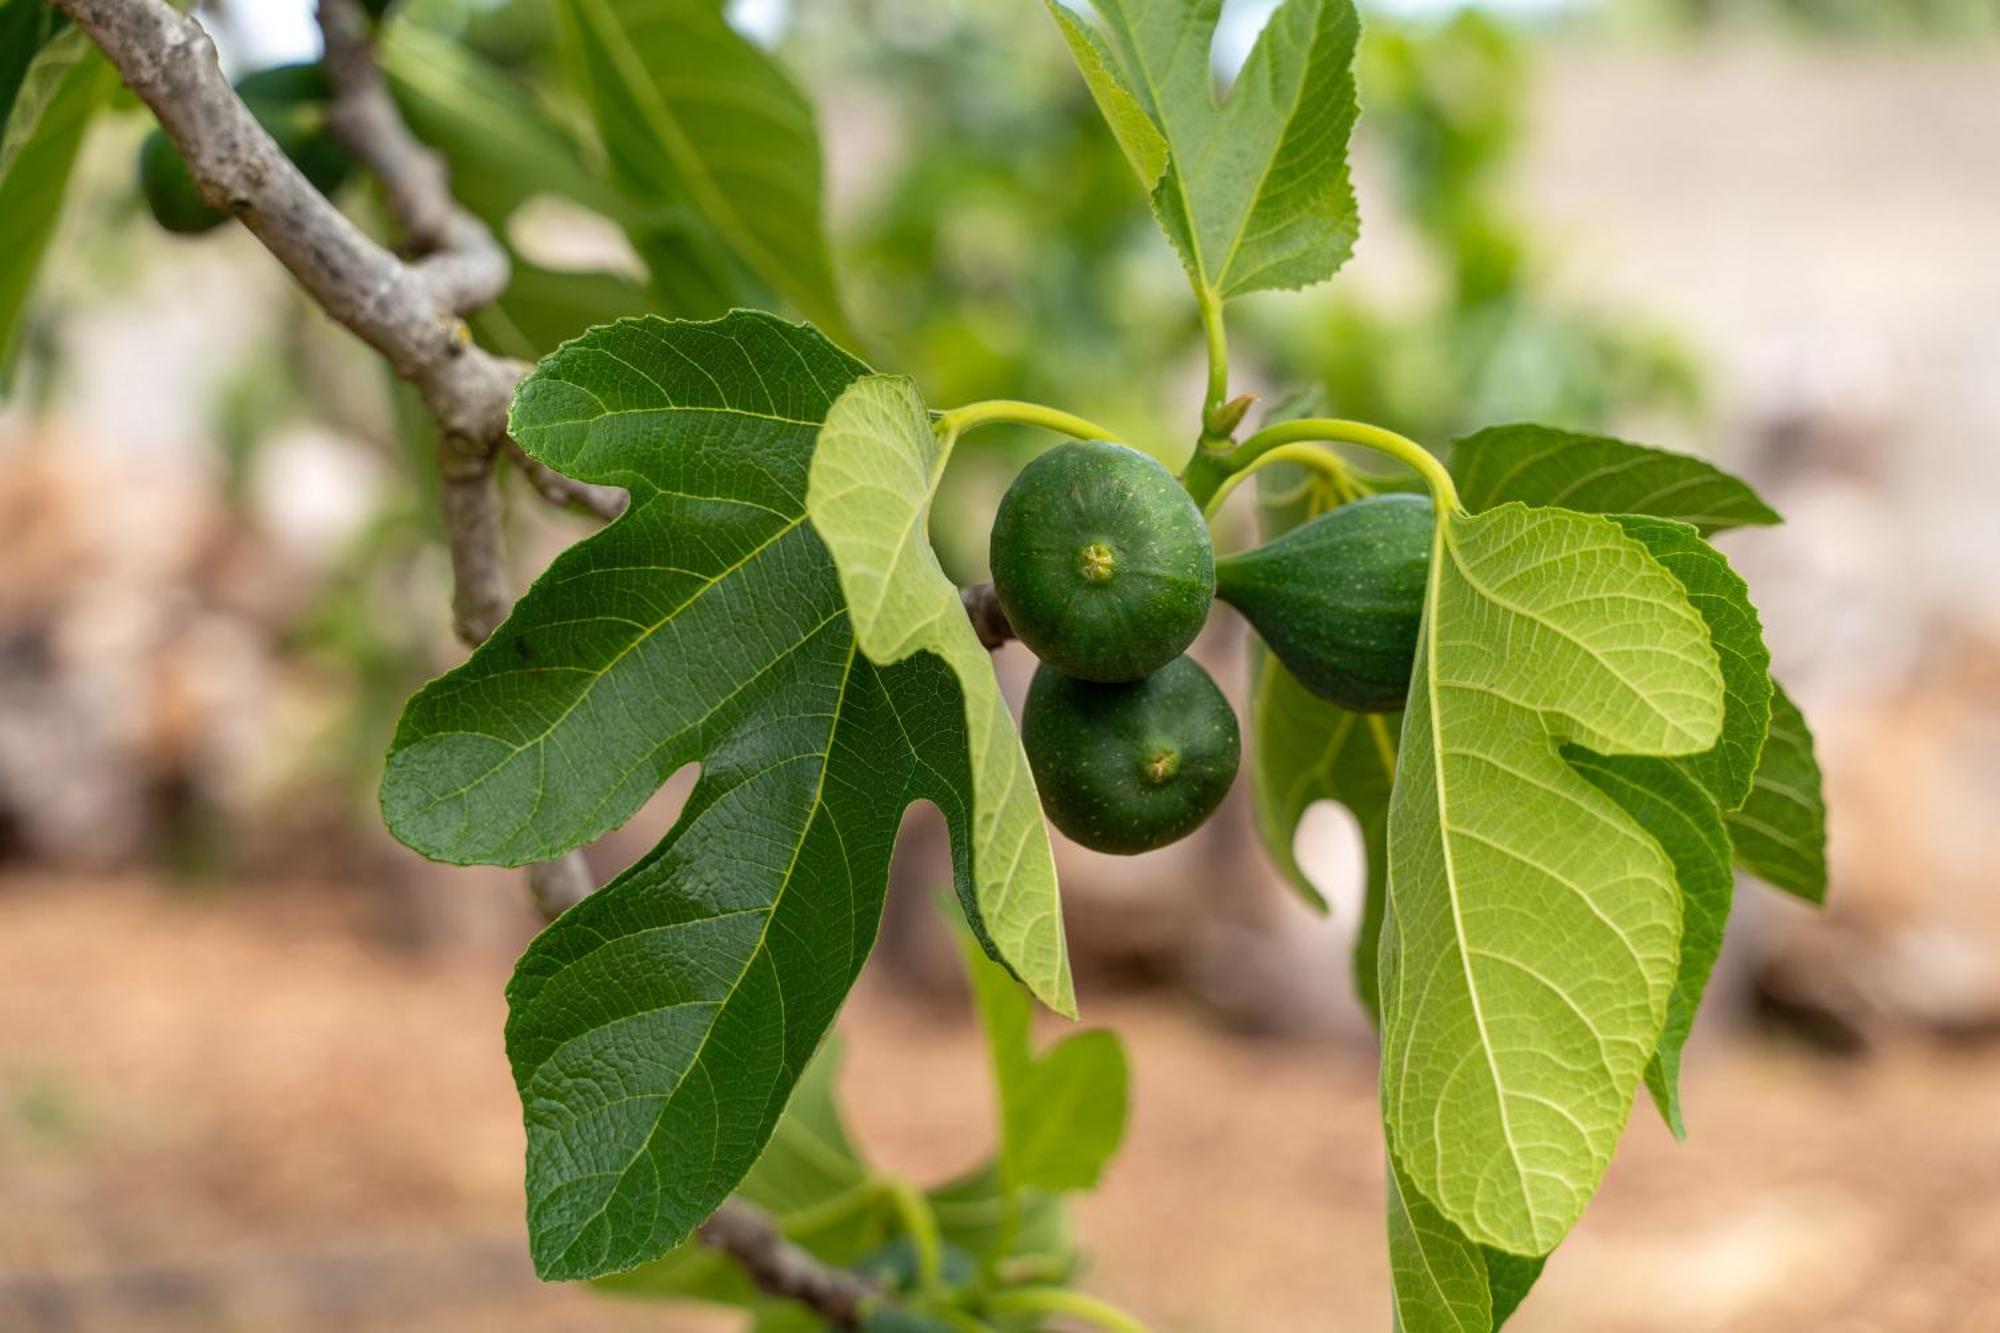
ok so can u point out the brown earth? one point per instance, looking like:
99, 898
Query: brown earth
241, 1110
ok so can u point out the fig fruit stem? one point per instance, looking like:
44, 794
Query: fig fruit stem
959, 420
1346, 486
1325, 430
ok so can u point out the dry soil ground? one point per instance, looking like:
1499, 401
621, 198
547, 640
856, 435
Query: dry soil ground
245, 1112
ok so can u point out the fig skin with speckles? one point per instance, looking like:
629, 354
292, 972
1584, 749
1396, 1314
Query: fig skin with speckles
1129, 767
1102, 562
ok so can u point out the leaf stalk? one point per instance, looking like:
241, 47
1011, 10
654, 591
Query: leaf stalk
996, 411
1326, 430
1216, 430
1346, 486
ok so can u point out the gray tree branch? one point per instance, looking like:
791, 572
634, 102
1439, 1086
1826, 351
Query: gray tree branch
408, 312
779, 1268
456, 256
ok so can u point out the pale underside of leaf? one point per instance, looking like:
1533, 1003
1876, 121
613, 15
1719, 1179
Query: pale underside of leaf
1531, 941
875, 474
1442, 1282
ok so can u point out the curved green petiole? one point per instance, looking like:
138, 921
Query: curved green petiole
959, 420
1208, 477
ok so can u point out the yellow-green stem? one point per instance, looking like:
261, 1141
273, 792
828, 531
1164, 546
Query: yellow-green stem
921, 1224
1308, 455
1326, 430
1063, 1301
1217, 338
959, 420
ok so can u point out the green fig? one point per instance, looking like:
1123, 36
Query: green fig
1339, 599
1132, 766
1102, 562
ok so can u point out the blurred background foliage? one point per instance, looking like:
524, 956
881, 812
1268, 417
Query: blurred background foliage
1856, 18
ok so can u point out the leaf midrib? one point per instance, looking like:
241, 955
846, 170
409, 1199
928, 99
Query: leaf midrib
673, 137
1270, 159
750, 957
1442, 543
1174, 169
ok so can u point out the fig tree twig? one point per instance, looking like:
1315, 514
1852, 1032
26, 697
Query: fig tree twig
455, 254
779, 1268
408, 312
989, 620
606, 502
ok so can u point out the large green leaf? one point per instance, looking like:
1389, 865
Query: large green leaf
1538, 465
1062, 1113
874, 477
1780, 832
1677, 800
1530, 946
50, 107
1596, 474
697, 118
1680, 801
1255, 191
657, 1029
